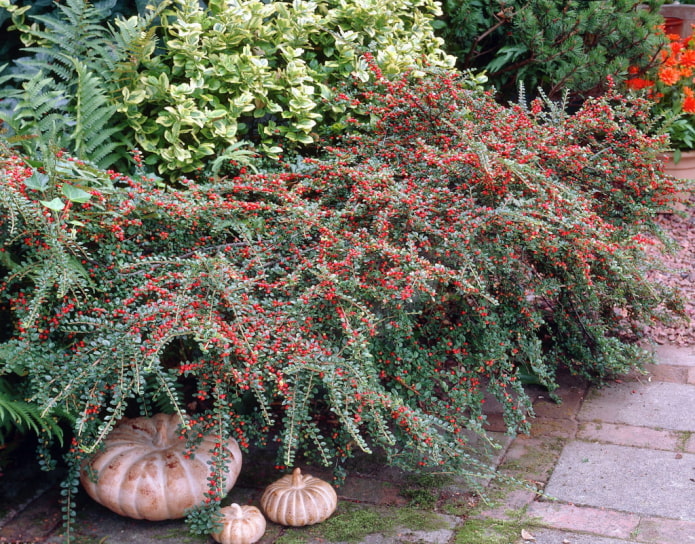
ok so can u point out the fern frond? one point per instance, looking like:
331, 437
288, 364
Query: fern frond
37, 114
38, 106
78, 31
19, 415
94, 132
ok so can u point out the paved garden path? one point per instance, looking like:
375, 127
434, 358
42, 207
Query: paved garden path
625, 468
617, 465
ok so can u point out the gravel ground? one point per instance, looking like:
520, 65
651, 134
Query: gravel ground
680, 274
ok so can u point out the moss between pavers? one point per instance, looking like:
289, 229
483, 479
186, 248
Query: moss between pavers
424, 490
683, 438
488, 531
353, 522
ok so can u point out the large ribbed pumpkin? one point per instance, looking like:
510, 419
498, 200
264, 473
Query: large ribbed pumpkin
297, 500
142, 471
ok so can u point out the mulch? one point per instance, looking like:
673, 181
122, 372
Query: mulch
679, 273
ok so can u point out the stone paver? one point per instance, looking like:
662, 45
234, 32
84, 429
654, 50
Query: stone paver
675, 355
571, 394
560, 428
36, 523
507, 510
655, 404
628, 435
628, 479
403, 535
584, 519
550, 536
666, 531
665, 373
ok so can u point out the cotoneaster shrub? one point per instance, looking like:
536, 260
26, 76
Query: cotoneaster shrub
368, 299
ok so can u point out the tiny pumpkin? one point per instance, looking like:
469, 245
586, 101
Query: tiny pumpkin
143, 472
240, 525
297, 500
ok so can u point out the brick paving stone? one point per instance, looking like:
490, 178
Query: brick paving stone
597, 521
494, 422
405, 535
371, 491
572, 397
96, 524
560, 428
551, 536
507, 507
35, 523
666, 531
629, 435
532, 459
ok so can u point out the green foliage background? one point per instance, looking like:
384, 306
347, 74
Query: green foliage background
553, 44
186, 84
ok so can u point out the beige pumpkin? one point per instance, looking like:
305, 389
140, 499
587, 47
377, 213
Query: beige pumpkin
240, 525
297, 500
142, 473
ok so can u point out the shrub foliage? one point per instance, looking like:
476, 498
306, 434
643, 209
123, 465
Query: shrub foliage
188, 81
368, 299
553, 44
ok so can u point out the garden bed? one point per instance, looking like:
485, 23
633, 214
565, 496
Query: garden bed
681, 275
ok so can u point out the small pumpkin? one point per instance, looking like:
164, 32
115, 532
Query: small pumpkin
240, 525
142, 471
298, 500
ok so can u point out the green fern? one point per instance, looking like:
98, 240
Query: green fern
39, 112
94, 135
62, 101
18, 415
77, 31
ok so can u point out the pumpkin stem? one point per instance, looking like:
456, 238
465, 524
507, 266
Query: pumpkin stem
297, 480
160, 437
236, 511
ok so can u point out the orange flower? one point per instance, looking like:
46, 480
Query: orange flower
688, 101
670, 84
688, 58
638, 83
667, 59
669, 75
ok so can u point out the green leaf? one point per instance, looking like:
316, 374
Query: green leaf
74, 194
37, 181
56, 204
